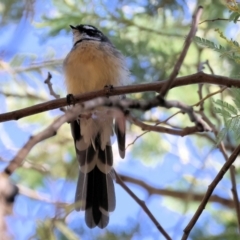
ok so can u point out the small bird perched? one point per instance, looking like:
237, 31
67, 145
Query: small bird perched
92, 64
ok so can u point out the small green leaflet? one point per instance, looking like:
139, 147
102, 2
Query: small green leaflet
234, 17
227, 107
236, 96
230, 53
230, 116
221, 135
206, 43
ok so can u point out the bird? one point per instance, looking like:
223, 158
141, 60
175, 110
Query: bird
92, 64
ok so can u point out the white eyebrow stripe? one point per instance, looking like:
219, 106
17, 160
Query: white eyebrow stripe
89, 27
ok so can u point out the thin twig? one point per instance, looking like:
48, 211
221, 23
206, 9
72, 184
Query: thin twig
199, 122
49, 84
208, 194
179, 62
235, 194
156, 124
176, 194
215, 19
201, 103
141, 124
142, 205
158, 101
232, 170
39, 196
233, 181
209, 67
51, 91
145, 127
209, 95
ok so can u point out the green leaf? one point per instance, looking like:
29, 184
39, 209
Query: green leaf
221, 135
222, 112
228, 123
235, 125
236, 96
227, 106
237, 135
234, 17
206, 43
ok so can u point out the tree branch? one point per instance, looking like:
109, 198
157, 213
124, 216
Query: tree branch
178, 132
49, 84
33, 140
183, 54
142, 205
208, 194
199, 77
181, 195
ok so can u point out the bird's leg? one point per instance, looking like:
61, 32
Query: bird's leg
108, 89
70, 99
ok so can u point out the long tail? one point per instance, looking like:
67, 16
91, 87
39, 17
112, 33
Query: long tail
95, 189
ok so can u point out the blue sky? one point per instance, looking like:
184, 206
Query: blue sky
160, 174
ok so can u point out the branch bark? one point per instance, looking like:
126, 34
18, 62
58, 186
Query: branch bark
183, 54
208, 194
196, 78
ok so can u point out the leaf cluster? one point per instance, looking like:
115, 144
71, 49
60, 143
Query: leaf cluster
232, 51
235, 9
230, 114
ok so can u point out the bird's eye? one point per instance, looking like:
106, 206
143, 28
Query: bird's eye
92, 33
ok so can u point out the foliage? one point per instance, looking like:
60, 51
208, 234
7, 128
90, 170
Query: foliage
151, 35
233, 51
234, 8
228, 112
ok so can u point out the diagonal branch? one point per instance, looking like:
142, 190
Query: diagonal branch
232, 169
233, 181
142, 205
50, 131
183, 54
235, 194
209, 192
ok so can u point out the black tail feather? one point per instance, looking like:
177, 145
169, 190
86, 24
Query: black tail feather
120, 129
95, 189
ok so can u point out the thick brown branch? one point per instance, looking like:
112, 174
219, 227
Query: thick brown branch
199, 77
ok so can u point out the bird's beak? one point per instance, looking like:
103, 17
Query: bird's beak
72, 27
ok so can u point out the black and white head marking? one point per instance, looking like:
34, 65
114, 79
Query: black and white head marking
87, 32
